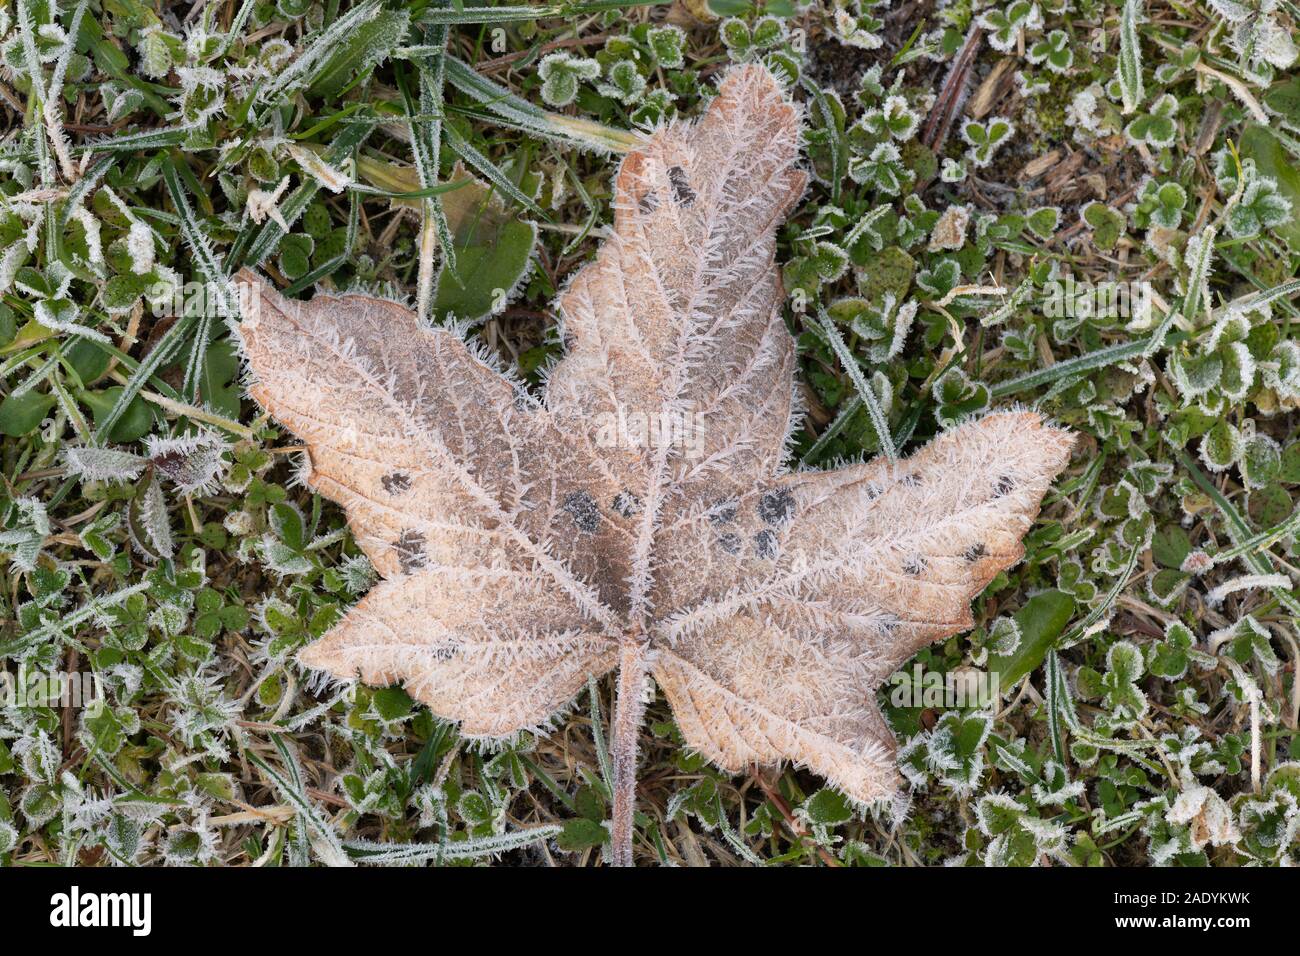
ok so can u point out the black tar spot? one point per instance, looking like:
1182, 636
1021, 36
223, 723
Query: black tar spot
682, 191
396, 483
584, 511
975, 552
724, 512
729, 542
776, 507
765, 544
410, 551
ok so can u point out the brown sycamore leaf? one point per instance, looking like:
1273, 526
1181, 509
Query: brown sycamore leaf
640, 516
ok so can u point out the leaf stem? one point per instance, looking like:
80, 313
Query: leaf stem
628, 712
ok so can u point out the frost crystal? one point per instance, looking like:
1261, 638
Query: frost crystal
193, 463
102, 464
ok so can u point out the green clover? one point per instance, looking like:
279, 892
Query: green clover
1161, 204
1054, 51
1005, 27
561, 75
883, 170
1156, 128
985, 138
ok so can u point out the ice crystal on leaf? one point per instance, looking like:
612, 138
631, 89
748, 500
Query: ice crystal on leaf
562, 75
91, 463
767, 605
22, 537
193, 463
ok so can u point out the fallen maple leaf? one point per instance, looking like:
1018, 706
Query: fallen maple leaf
640, 517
